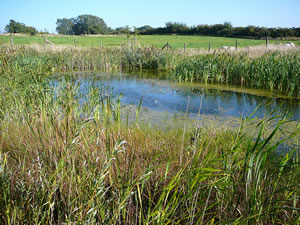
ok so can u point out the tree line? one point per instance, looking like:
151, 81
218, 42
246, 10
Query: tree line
89, 24
221, 30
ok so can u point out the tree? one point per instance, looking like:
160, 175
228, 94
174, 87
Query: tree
228, 25
120, 30
83, 24
128, 30
30, 30
16, 27
227, 29
88, 24
145, 29
64, 26
176, 28
250, 30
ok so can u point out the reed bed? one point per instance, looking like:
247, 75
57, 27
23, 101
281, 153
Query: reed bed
271, 71
91, 59
68, 161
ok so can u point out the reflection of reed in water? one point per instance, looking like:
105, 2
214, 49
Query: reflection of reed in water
226, 100
162, 95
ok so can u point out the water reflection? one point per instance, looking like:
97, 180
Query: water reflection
161, 94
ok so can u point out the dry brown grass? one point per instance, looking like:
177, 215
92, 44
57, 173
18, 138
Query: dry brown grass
253, 51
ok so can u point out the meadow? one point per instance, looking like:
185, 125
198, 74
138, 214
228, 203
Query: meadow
64, 161
176, 41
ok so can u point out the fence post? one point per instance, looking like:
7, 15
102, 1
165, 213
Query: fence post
11, 41
267, 41
236, 44
101, 46
209, 46
45, 39
74, 43
184, 48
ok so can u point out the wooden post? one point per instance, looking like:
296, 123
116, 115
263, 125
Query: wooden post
184, 48
166, 45
74, 43
101, 46
11, 41
45, 39
209, 46
267, 41
236, 44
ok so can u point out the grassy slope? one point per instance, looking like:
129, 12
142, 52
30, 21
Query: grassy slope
145, 40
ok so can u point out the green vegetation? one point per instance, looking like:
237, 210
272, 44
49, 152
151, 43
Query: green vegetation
92, 59
67, 161
90, 24
222, 30
271, 71
84, 24
144, 40
16, 27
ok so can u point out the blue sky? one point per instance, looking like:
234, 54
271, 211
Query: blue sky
43, 14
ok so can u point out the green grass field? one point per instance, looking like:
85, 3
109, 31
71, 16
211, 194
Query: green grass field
159, 41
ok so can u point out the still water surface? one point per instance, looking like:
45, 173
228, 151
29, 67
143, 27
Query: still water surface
161, 94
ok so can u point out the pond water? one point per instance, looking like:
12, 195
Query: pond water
161, 94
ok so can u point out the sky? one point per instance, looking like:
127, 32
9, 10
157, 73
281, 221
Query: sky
42, 14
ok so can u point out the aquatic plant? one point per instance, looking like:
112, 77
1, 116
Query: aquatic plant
271, 71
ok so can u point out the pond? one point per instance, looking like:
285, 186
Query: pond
162, 95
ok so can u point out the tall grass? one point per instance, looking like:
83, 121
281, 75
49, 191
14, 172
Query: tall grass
271, 71
64, 160
90, 59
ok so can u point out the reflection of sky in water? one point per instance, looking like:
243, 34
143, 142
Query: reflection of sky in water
162, 96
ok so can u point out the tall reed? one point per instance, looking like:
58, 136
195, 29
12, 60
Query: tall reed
271, 71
